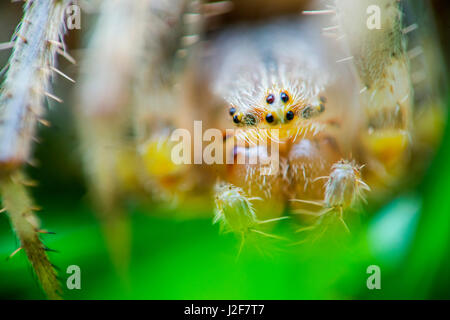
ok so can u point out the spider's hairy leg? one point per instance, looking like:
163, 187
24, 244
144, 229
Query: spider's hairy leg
429, 81
310, 162
36, 42
19, 206
27, 83
251, 200
236, 213
161, 97
261, 172
107, 72
234, 209
323, 183
379, 56
172, 34
344, 188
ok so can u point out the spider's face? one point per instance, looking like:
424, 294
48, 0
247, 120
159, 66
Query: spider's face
278, 108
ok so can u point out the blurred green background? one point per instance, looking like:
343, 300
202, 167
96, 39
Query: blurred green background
409, 238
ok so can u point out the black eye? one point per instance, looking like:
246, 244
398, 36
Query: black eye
270, 118
270, 99
236, 119
232, 111
284, 97
289, 115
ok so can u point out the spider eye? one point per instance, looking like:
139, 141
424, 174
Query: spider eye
270, 118
284, 97
232, 111
270, 99
289, 115
236, 119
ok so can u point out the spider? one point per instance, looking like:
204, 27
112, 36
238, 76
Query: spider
348, 106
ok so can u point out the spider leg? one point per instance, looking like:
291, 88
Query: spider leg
341, 218
272, 220
101, 114
23, 94
234, 211
344, 188
269, 235
310, 161
303, 229
316, 203
376, 41
241, 246
266, 187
